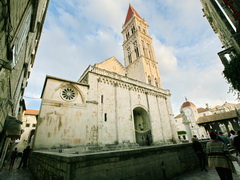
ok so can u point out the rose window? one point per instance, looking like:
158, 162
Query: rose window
68, 94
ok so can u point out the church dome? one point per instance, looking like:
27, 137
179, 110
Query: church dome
187, 104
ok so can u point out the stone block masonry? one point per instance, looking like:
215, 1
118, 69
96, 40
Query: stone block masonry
156, 162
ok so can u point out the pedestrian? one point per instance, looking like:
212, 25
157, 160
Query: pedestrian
13, 157
25, 157
218, 157
223, 138
233, 135
197, 147
236, 143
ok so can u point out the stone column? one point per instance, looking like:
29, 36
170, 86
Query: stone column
226, 125
171, 119
235, 124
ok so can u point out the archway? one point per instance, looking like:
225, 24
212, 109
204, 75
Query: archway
142, 126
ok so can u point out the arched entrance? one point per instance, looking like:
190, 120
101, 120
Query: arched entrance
142, 126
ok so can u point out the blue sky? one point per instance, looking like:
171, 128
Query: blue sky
78, 33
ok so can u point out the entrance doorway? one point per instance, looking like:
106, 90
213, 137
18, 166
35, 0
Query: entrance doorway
142, 127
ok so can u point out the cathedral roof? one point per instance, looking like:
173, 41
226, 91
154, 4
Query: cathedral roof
186, 104
200, 110
130, 13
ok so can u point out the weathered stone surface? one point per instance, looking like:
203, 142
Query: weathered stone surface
145, 163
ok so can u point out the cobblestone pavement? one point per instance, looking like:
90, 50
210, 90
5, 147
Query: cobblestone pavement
15, 174
24, 174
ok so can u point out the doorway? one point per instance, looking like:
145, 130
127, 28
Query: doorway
142, 127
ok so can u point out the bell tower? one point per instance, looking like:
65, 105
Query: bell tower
139, 55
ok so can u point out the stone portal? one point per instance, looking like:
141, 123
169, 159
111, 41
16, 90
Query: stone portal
142, 127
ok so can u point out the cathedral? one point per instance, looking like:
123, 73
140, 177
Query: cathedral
111, 103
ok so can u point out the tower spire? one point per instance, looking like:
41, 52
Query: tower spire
130, 13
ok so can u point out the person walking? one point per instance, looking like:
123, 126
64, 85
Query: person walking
223, 138
25, 156
232, 136
236, 143
13, 157
197, 147
218, 157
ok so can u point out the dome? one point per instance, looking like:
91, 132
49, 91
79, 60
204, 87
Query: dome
187, 104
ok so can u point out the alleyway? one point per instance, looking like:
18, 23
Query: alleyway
24, 174
15, 174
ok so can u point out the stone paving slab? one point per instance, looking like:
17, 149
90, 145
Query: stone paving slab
210, 175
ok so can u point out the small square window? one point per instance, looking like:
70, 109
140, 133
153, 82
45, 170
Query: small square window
33, 125
28, 125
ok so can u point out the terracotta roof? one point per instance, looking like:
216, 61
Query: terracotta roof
32, 112
200, 110
217, 117
187, 103
178, 116
130, 13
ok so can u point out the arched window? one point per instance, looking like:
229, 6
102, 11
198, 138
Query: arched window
156, 82
129, 55
149, 80
136, 49
133, 29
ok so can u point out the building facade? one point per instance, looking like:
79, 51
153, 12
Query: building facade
186, 122
197, 122
110, 104
29, 122
21, 24
224, 18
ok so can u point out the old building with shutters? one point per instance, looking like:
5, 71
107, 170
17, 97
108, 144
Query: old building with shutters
111, 104
21, 25
224, 18
193, 121
28, 126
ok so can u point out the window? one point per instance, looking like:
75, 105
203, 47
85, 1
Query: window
156, 82
68, 93
133, 29
102, 99
129, 55
149, 51
149, 80
21, 36
127, 35
105, 117
136, 49
27, 124
33, 125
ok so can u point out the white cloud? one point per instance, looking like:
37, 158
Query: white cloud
82, 32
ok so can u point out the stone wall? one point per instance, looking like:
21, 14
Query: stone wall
163, 162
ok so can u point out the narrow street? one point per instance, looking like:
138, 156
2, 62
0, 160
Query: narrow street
15, 174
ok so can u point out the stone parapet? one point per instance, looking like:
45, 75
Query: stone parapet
158, 162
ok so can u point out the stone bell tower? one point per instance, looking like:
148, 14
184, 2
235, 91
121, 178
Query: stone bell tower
139, 55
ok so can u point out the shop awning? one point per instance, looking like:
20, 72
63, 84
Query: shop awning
12, 127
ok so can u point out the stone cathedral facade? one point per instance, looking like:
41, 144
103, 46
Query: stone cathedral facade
110, 104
